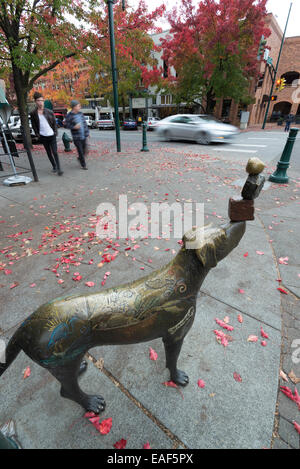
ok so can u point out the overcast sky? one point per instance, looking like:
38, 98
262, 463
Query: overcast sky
279, 8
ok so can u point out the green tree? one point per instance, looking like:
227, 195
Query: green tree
36, 36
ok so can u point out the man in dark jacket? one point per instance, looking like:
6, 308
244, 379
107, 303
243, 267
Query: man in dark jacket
44, 125
288, 120
76, 122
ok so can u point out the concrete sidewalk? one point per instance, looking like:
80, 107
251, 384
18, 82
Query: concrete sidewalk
241, 406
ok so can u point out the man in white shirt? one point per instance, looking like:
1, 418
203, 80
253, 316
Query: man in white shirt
44, 125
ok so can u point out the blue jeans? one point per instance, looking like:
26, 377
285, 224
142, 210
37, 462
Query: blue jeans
81, 146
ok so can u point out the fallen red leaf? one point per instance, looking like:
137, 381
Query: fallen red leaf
221, 337
27, 373
224, 325
171, 384
147, 445
297, 427
288, 392
90, 284
283, 260
201, 383
152, 354
263, 333
282, 290
252, 338
237, 377
105, 426
120, 444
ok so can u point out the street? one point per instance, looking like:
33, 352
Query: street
267, 146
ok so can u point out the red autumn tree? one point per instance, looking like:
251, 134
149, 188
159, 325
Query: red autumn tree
67, 80
213, 49
134, 50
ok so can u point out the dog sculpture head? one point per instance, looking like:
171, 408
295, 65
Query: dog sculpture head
212, 244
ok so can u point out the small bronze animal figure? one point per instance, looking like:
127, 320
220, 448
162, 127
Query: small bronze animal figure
162, 304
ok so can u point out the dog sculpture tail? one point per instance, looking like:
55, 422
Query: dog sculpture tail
11, 352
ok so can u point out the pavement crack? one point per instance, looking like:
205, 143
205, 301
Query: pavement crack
99, 364
261, 321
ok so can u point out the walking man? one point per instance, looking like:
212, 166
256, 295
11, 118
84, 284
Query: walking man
44, 126
289, 119
76, 122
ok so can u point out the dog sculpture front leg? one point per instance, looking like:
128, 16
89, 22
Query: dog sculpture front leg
172, 350
67, 375
173, 341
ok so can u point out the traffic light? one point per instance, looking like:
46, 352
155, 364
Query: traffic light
261, 47
274, 97
280, 84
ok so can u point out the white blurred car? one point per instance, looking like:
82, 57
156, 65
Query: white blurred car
151, 123
200, 128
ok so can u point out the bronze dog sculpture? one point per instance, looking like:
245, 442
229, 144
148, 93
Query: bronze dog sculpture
162, 304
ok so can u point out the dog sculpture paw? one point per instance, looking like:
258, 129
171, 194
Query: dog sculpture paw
180, 377
94, 404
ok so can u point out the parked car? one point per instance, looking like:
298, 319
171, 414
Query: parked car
15, 129
200, 128
59, 119
106, 121
89, 121
129, 124
13, 120
151, 123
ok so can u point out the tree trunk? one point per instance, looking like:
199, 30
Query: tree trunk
210, 101
21, 92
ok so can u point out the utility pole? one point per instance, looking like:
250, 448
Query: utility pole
110, 4
276, 69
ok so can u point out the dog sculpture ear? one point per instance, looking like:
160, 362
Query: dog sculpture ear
207, 255
205, 241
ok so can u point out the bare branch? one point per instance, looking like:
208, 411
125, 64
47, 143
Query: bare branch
47, 69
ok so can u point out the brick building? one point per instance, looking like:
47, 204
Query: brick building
289, 68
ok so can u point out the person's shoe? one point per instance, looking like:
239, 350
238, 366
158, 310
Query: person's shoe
60, 172
84, 167
54, 170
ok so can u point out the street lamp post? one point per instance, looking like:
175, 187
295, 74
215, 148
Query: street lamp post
110, 4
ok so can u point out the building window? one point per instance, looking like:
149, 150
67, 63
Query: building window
292, 78
260, 81
166, 99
